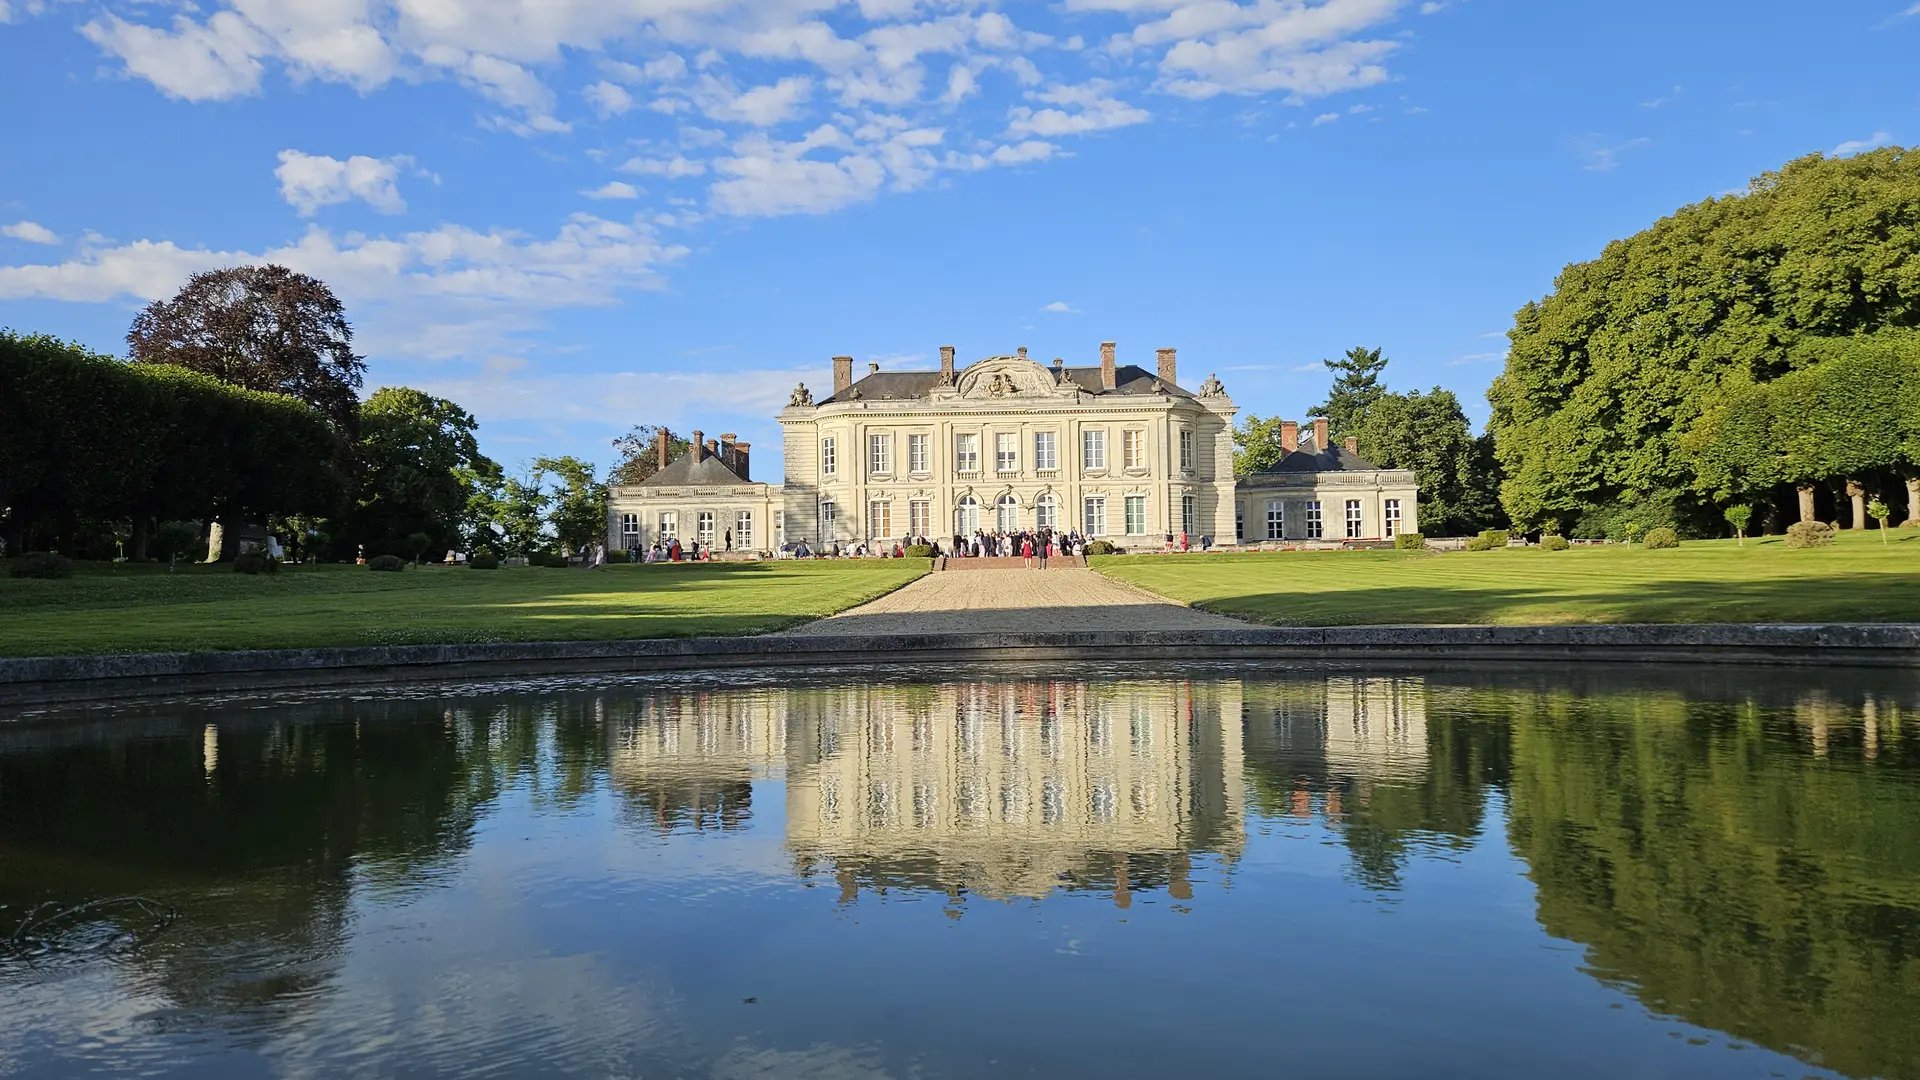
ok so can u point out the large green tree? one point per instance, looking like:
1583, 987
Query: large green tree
1429, 434
579, 501
421, 467
1356, 386
1609, 375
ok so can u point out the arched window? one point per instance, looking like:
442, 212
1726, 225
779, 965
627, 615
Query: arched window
1006, 514
1046, 513
966, 516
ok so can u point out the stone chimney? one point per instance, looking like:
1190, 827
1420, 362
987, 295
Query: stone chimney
1108, 379
842, 374
699, 448
873, 367
946, 365
1319, 434
1289, 436
666, 448
740, 458
713, 448
1352, 444
726, 449
1165, 357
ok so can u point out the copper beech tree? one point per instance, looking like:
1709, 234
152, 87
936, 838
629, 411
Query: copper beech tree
263, 328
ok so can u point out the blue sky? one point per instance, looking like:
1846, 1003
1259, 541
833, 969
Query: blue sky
576, 215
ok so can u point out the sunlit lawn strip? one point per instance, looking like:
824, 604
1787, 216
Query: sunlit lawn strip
1857, 580
145, 609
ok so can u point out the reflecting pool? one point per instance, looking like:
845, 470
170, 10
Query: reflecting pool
983, 872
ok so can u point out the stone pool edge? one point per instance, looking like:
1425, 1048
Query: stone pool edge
42, 680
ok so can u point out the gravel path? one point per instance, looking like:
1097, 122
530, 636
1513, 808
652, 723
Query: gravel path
992, 601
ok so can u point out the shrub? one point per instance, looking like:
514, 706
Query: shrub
1496, 538
1553, 542
547, 558
1661, 537
484, 559
178, 539
1099, 547
1479, 543
41, 564
389, 563
253, 562
918, 551
1409, 542
1809, 534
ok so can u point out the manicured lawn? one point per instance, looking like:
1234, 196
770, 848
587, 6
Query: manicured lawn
1856, 580
110, 609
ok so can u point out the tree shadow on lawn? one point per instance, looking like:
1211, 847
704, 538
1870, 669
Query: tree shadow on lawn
1838, 598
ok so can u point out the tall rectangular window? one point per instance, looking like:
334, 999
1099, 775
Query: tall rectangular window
919, 517
879, 455
966, 454
879, 520
1046, 450
1133, 449
669, 525
1393, 519
827, 460
743, 531
1276, 520
1006, 452
828, 512
1314, 531
1046, 513
1189, 515
1093, 515
704, 532
1093, 449
1136, 515
629, 531
1239, 523
1355, 523
779, 528
917, 456
1186, 449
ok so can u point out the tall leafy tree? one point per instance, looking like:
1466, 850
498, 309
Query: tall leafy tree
1256, 444
1356, 386
640, 453
260, 327
420, 466
579, 513
1429, 434
1609, 374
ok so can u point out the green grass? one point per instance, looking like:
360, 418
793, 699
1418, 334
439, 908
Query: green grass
124, 608
1856, 580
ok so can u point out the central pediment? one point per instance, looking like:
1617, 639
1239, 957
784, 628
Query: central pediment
1009, 377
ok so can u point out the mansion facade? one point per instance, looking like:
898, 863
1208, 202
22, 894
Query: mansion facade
1009, 444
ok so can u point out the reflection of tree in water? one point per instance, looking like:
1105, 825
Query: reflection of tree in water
1752, 868
254, 830
1390, 762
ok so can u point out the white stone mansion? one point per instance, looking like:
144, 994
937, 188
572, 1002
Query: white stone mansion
1006, 444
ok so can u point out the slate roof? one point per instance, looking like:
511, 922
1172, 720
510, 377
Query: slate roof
908, 385
1332, 459
682, 472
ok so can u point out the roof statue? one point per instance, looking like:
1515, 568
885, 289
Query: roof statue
1212, 387
800, 396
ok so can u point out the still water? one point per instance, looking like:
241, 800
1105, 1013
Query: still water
1225, 872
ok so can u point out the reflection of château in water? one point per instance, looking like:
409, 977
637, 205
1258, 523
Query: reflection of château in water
1319, 736
1006, 789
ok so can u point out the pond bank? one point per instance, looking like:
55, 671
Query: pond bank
37, 680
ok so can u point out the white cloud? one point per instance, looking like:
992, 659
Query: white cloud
1325, 118
673, 168
308, 181
30, 231
1061, 307
441, 293
608, 99
765, 178
763, 106
195, 62
1854, 146
1084, 108
1607, 158
613, 189
1477, 358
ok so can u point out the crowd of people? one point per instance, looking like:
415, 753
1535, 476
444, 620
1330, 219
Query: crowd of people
1033, 546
